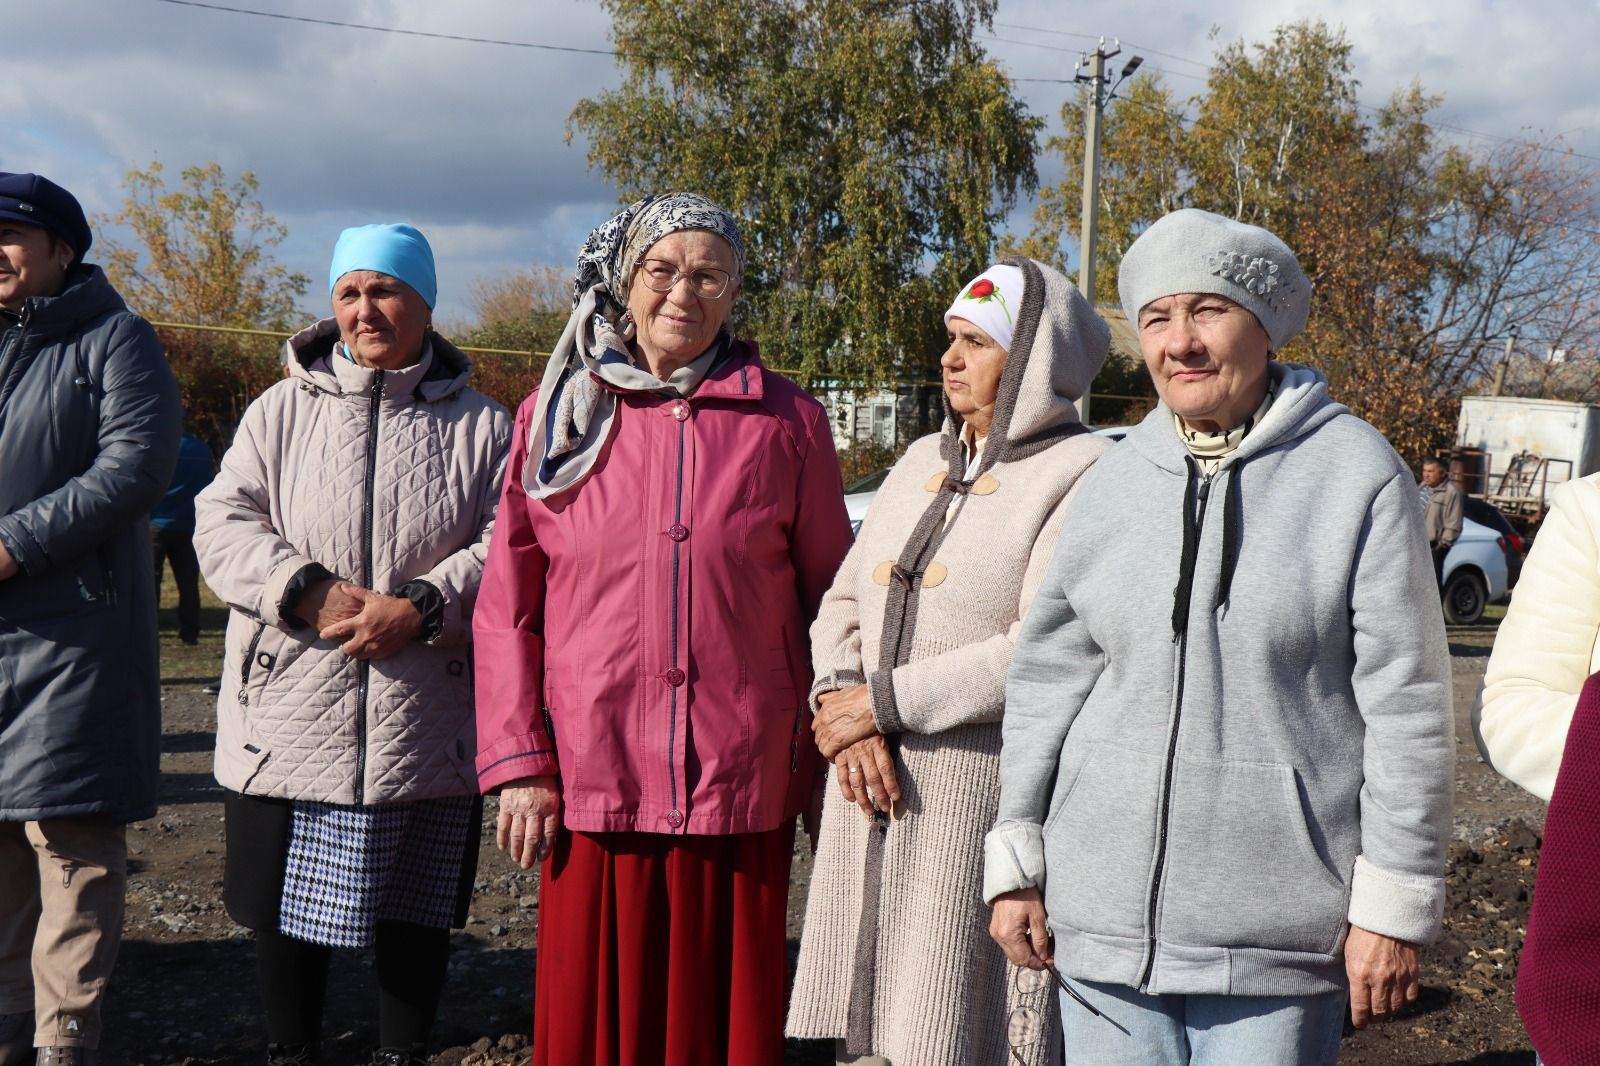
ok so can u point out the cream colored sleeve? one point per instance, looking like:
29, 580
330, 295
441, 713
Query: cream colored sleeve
1545, 646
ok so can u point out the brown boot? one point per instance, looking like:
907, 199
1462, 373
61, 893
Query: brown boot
66, 1056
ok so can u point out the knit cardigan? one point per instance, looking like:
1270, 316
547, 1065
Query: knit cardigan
938, 989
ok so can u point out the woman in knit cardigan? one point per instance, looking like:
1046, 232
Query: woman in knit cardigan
911, 649
1539, 725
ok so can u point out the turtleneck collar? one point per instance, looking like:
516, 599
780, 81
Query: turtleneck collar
1211, 447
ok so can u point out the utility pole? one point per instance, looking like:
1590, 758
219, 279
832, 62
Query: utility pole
1505, 363
1094, 112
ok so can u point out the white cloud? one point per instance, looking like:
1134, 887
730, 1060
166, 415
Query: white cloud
466, 140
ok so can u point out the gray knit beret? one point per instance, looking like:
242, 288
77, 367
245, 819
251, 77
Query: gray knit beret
1196, 251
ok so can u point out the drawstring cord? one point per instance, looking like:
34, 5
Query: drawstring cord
1232, 535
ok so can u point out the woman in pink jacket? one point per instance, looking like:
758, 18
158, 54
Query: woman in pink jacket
671, 517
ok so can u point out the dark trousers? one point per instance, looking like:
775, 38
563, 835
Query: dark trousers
1439, 552
176, 546
412, 961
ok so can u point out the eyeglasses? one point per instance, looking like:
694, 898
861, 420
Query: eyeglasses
1026, 1023
708, 283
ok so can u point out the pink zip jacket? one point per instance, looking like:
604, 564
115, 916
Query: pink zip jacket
645, 635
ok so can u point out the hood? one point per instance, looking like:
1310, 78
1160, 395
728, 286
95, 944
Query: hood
1056, 350
1301, 404
88, 296
310, 359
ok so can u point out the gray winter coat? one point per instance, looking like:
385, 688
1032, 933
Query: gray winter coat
1210, 781
89, 424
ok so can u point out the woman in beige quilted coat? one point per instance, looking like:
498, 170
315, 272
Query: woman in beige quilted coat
347, 531
911, 648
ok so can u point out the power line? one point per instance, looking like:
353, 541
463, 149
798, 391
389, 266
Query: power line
467, 39
402, 32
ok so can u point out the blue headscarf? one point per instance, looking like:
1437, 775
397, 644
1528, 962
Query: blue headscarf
389, 248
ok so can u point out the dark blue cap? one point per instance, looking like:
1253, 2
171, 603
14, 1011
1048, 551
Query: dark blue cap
36, 199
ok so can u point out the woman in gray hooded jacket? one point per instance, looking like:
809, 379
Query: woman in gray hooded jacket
1226, 774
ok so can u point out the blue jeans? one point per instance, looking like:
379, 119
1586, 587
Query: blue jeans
1136, 1029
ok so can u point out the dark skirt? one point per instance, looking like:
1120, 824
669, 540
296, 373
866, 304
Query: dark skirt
259, 832
657, 950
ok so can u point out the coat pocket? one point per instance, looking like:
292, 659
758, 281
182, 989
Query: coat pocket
1242, 869
1100, 842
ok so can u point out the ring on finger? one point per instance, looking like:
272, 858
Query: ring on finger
854, 770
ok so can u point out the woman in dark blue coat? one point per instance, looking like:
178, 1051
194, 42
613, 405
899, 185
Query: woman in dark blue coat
89, 423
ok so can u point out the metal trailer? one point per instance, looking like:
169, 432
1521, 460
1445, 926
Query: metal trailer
1516, 449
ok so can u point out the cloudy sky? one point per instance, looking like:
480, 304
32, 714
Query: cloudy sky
344, 126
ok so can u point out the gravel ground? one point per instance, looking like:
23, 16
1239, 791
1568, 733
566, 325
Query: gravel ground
184, 990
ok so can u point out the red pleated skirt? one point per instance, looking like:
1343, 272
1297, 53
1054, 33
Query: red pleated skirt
657, 950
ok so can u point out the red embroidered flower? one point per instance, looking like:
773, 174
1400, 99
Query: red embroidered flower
980, 288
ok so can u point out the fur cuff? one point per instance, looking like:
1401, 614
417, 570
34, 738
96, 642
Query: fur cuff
1013, 858
1403, 906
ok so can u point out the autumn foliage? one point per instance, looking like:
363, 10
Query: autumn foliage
1424, 255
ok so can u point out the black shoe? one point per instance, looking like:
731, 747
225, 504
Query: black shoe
393, 1056
293, 1055
16, 1038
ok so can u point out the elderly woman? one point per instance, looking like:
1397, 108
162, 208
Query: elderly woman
672, 516
347, 530
1228, 737
911, 649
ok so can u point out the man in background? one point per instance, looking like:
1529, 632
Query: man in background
172, 532
1444, 514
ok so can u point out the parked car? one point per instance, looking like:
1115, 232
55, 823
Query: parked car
1475, 573
1487, 514
858, 496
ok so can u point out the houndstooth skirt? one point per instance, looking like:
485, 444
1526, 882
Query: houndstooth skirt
348, 868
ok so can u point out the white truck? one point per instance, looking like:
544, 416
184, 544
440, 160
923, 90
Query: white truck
1539, 442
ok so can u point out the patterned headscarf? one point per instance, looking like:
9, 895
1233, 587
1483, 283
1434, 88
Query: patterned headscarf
574, 416
612, 251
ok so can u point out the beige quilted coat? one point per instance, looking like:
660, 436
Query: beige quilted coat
383, 477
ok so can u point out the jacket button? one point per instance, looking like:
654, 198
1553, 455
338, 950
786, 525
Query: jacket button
678, 531
675, 819
680, 411
675, 677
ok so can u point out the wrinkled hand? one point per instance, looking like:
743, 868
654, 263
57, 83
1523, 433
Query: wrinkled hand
813, 815
385, 625
530, 817
8, 565
329, 602
866, 775
842, 718
1383, 975
1019, 926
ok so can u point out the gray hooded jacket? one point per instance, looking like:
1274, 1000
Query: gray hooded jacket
1225, 742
